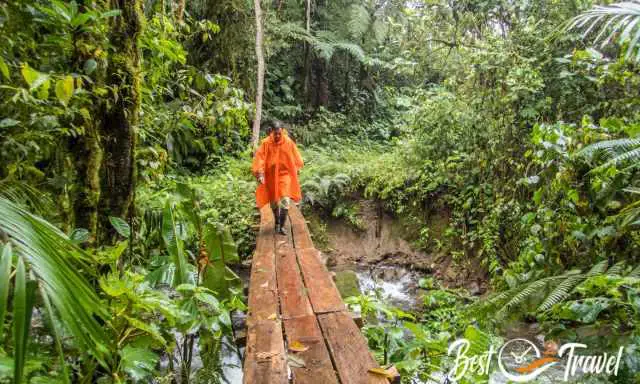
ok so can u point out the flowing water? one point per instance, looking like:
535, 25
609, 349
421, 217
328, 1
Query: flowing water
399, 287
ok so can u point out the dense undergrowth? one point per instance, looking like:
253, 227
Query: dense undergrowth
126, 199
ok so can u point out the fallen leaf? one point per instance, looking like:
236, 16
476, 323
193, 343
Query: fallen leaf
273, 316
381, 372
297, 346
265, 355
295, 362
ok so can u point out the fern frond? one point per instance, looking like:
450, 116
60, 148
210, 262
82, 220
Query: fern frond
617, 269
353, 49
616, 146
527, 291
632, 155
359, 21
598, 269
635, 273
561, 292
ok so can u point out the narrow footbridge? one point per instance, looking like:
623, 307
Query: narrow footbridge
298, 328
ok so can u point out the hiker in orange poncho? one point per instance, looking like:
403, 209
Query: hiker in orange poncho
276, 165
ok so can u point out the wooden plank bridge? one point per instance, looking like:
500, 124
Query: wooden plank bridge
294, 304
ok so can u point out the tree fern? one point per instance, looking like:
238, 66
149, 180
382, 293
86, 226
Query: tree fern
359, 21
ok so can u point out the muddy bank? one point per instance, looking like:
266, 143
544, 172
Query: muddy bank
384, 240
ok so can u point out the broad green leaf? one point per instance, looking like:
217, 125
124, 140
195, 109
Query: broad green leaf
5, 272
8, 122
23, 301
174, 244
90, 66
220, 244
4, 69
219, 278
33, 78
111, 13
138, 362
150, 328
64, 89
79, 235
120, 226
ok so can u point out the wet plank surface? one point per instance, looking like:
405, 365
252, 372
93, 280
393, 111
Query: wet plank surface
318, 367
293, 296
301, 236
293, 299
265, 359
349, 349
322, 291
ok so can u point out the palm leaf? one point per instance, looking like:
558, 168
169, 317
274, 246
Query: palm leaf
619, 22
5, 273
59, 264
23, 300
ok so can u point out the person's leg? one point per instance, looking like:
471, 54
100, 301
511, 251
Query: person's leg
276, 215
283, 207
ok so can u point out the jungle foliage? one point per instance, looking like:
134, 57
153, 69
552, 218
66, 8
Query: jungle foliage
127, 202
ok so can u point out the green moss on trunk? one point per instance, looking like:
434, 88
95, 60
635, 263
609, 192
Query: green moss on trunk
121, 115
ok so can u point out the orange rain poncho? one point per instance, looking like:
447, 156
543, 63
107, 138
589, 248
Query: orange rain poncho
279, 162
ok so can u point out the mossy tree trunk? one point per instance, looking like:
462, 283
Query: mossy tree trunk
121, 115
86, 149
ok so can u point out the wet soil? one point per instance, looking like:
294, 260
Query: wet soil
384, 241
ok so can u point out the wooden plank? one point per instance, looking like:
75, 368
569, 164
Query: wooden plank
349, 349
265, 239
263, 290
293, 297
301, 236
263, 296
321, 289
318, 368
265, 361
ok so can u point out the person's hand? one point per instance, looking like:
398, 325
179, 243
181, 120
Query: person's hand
260, 177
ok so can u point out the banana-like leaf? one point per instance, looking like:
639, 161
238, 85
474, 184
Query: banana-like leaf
173, 241
59, 265
220, 245
23, 300
5, 272
219, 278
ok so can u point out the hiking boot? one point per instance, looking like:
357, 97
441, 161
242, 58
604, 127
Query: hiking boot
282, 220
276, 218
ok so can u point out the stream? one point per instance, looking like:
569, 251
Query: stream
398, 286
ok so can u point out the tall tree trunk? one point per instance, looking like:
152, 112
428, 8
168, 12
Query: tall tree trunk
180, 10
86, 149
121, 115
260, 74
307, 57
322, 82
